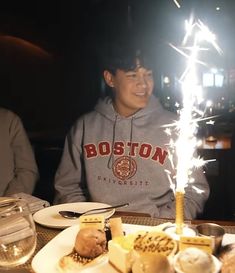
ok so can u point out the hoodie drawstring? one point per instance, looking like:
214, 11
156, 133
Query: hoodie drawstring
111, 158
131, 133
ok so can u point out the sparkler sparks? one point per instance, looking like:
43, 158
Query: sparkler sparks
186, 127
177, 3
190, 87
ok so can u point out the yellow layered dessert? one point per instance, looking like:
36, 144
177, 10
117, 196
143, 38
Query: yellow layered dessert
120, 252
124, 250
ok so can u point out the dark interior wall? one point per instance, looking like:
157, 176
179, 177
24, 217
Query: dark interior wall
31, 59
49, 88
49, 91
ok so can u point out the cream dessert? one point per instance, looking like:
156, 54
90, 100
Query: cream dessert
194, 260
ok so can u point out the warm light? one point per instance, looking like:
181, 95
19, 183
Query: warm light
214, 70
209, 103
166, 80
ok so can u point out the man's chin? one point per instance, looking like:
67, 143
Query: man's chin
142, 102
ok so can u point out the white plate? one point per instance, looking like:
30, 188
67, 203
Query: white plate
46, 260
50, 216
228, 239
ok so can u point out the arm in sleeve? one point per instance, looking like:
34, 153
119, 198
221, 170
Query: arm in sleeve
25, 167
196, 195
70, 185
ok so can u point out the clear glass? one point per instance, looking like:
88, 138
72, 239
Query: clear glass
17, 234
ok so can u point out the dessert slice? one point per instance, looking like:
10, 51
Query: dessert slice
124, 250
120, 252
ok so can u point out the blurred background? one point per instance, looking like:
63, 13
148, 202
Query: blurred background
49, 71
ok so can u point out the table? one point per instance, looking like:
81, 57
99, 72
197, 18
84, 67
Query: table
44, 234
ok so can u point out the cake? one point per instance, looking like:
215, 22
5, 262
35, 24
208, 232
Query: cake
123, 251
194, 260
120, 252
151, 263
155, 242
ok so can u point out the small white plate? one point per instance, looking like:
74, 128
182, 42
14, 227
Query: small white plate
46, 260
50, 216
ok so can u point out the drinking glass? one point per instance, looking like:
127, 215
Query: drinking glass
17, 233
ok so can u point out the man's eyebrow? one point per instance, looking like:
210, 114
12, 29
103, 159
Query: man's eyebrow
131, 71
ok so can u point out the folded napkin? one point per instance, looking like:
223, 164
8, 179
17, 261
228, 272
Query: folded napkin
12, 224
14, 229
16, 236
34, 202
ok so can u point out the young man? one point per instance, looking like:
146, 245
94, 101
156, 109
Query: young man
118, 153
18, 169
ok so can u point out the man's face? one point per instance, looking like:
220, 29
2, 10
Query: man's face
132, 89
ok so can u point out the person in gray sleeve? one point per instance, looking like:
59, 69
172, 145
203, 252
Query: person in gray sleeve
118, 152
18, 168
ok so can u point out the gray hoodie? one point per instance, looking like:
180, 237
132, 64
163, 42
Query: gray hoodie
18, 169
113, 159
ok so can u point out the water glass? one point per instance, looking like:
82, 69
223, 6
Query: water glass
17, 233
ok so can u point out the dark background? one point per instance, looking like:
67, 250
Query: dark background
49, 70
51, 86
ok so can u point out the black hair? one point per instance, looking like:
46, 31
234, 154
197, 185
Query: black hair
123, 54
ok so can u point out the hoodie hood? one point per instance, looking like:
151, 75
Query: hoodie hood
106, 109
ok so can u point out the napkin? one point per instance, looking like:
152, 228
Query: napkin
34, 202
16, 236
12, 224
14, 229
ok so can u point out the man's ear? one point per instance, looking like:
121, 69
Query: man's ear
108, 77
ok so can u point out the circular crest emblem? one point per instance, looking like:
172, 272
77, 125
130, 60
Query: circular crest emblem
124, 167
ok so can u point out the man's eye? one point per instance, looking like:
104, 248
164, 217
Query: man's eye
150, 74
131, 75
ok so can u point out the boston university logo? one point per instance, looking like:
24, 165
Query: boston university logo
125, 166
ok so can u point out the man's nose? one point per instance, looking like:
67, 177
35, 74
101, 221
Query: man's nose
142, 81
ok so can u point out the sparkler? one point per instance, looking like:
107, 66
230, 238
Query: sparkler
186, 143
